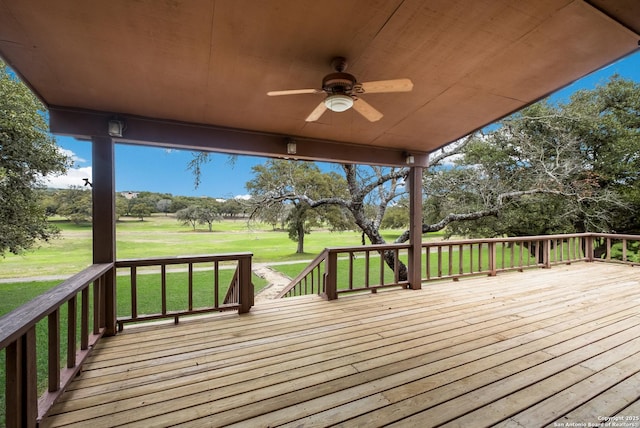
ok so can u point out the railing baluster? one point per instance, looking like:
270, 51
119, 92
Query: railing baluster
163, 287
350, 253
84, 320
72, 317
96, 305
396, 265
367, 255
21, 381
381, 278
513, 254
134, 292
427, 256
190, 285
53, 362
216, 284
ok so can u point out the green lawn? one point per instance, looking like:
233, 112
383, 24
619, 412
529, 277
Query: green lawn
161, 236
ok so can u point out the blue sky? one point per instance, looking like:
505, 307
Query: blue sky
141, 168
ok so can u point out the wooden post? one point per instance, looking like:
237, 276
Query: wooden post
104, 224
331, 276
246, 289
546, 254
415, 228
493, 269
589, 247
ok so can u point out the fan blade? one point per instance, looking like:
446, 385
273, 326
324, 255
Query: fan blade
317, 112
295, 92
365, 109
379, 86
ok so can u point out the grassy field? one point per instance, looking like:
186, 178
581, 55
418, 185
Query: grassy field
161, 236
157, 236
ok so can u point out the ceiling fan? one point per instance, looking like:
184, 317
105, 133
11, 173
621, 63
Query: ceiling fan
343, 92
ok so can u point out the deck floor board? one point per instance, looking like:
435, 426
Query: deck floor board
533, 348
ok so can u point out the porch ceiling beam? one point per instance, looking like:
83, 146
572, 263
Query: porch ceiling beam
84, 124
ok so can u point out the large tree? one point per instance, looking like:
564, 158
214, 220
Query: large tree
609, 130
534, 174
27, 154
74, 204
546, 169
279, 182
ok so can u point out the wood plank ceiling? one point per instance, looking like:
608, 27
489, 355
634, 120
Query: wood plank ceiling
212, 62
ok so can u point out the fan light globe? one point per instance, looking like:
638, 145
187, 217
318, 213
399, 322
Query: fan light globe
338, 102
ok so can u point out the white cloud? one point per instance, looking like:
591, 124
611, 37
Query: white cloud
73, 177
244, 197
71, 155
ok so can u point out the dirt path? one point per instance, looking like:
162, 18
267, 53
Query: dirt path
277, 281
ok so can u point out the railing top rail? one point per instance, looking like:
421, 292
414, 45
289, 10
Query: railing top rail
368, 248
616, 236
175, 260
20, 320
508, 239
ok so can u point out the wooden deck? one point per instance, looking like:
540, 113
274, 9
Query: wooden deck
543, 347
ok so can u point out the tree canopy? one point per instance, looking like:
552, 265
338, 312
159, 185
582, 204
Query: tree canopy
27, 154
571, 167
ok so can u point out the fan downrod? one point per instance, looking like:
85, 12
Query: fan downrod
339, 64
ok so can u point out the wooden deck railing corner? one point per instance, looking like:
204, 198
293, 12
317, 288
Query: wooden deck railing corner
18, 338
239, 295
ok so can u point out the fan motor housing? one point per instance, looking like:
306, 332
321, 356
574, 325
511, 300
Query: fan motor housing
338, 83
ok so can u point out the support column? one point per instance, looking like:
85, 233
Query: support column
104, 223
415, 228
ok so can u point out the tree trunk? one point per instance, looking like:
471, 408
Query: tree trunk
374, 236
300, 232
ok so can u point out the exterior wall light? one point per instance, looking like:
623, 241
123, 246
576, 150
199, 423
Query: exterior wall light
115, 128
291, 148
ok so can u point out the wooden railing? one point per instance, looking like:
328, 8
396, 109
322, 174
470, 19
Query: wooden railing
355, 269
86, 296
309, 281
81, 294
239, 294
78, 310
456, 259
614, 248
